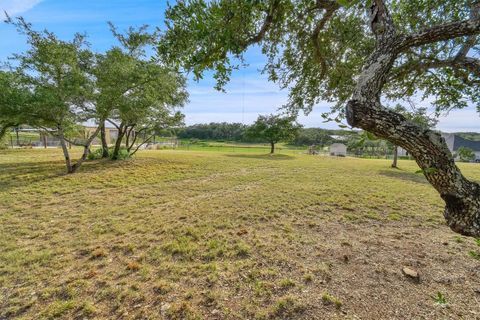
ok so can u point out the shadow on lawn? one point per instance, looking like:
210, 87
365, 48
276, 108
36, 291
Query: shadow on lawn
262, 156
14, 175
404, 175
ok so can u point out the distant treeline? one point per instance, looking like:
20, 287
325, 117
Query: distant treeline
236, 132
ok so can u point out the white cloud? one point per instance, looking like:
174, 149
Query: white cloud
15, 7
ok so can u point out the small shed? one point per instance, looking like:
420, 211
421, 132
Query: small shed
338, 149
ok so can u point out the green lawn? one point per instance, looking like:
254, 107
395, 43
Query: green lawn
227, 235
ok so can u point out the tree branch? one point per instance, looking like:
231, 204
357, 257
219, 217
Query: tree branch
470, 42
141, 144
111, 122
330, 7
468, 64
265, 26
442, 32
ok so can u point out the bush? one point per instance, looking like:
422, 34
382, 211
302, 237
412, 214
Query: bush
122, 154
97, 154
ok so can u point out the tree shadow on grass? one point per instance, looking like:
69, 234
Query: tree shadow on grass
404, 175
262, 156
15, 175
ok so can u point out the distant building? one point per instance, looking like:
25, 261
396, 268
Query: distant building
338, 149
454, 142
111, 134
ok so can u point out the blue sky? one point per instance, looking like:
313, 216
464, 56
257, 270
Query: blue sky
248, 94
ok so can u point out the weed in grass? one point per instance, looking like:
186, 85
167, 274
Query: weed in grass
181, 311
327, 298
59, 308
286, 283
286, 307
182, 248
162, 287
242, 250
263, 288
307, 278
458, 239
474, 254
440, 299
323, 270
99, 253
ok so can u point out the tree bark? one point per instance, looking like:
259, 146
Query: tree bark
17, 136
66, 153
395, 157
86, 150
364, 110
3, 130
272, 147
118, 142
103, 137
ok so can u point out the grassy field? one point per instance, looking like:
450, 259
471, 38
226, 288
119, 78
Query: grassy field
215, 235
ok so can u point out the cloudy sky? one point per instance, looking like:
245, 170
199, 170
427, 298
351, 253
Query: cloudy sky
248, 94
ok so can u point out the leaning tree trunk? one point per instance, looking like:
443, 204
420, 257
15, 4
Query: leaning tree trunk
66, 153
364, 110
118, 142
103, 137
395, 157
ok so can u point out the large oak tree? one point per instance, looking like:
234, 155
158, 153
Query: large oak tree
356, 54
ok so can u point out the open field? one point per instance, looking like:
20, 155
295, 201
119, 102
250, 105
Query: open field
213, 235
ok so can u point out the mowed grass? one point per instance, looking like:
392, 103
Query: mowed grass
213, 235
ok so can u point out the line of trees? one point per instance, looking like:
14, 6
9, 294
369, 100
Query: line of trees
57, 86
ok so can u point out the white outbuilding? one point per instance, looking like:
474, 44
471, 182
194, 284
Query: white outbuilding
338, 149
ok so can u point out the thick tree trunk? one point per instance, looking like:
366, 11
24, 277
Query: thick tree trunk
272, 147
103, 137
395, 157
364, 110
